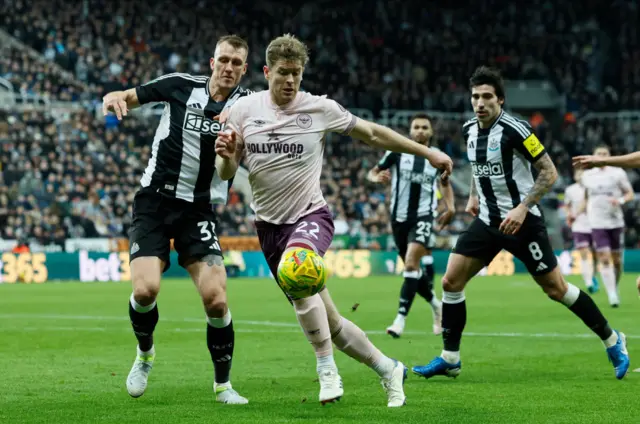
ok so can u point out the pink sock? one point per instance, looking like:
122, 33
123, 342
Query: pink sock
312, 316
354, 342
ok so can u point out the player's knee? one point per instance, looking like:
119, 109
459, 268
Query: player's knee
451, 285
604, 259
411, 265
145, 288
216, 306
554, 288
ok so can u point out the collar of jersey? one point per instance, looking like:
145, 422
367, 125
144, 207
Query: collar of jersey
236, 88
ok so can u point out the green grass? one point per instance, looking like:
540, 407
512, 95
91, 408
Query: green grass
65, 351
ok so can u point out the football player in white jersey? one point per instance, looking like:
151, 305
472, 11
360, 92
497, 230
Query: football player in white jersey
578, 222
631, 160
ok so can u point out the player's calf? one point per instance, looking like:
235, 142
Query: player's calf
209, 276
585, 308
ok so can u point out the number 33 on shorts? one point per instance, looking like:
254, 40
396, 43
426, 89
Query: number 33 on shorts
208, 234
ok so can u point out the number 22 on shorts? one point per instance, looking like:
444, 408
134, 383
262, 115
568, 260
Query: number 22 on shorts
313, 230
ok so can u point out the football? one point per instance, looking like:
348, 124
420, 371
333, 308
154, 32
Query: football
302, 273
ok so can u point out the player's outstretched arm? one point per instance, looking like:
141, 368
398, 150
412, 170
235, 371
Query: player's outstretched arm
547, 176
385, 138
632, 160
229, 149
119, 102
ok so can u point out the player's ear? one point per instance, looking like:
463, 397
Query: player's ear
265, 70
246, 66
212, 63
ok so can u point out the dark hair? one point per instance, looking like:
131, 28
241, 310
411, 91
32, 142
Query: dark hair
420, 116
235, 41
489, 76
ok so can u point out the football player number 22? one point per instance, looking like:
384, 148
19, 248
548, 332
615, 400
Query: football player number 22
310, 228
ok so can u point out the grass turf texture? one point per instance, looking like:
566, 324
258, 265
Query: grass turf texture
66, 350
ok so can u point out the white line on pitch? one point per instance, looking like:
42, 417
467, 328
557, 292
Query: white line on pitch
292, 327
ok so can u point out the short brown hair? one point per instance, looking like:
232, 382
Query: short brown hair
287, 47
420, 115
235, 41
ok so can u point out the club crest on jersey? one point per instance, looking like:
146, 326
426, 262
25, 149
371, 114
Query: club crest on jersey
304, 121
494, 143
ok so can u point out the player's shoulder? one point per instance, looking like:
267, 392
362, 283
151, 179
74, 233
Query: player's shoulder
244, 91
244, 97
471, 122
514, 125
183, 78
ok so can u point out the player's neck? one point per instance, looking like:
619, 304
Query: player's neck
484, 125
219, 94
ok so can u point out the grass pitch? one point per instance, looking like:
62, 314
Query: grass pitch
66, 349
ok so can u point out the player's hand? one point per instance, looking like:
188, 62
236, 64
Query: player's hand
441, 161
512, 223
614, 202
473, 206
384, 176
224, 115
226, 144
587, 161
445, 219
115, 104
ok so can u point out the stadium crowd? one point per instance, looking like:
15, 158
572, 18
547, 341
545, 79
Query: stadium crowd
74, 175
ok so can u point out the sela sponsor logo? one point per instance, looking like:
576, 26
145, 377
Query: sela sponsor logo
292, 150
487, 169
195, 122
416, 178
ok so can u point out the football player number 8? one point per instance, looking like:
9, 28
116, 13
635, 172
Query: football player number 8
313, 229
536, 253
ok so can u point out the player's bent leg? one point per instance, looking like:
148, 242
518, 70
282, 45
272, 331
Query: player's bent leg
616, 258
312, 317
210, 278
352, 341
143, 313
460, 269
585, 308
587, 268
608, 273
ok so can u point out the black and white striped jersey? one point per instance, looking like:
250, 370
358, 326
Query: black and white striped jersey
182, 163
413, 186
501, 158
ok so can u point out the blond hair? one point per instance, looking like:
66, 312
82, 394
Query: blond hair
288, 48
235, 41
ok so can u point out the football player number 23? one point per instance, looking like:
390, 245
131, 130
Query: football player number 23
24, 267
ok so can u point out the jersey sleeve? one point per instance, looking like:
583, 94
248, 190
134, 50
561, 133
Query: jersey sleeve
338, 119
522, 138
162, 89
388, 160
235, 116
623, 182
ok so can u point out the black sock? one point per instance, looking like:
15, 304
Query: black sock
429, 270
425, 288
586, 309
454, 318
408, 292
144, 323
221, 342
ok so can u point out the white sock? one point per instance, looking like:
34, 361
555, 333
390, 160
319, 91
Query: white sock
450, 357
220, 322
435, 303
384, 366
400, 319
138, 307
609, 280
148, 353
325, 362
612, 340
587, 272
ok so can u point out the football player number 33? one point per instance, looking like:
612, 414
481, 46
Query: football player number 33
24, 267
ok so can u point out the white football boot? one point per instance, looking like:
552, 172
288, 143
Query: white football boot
395, 330
394, 386
225, 394
139, 374
330, 385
